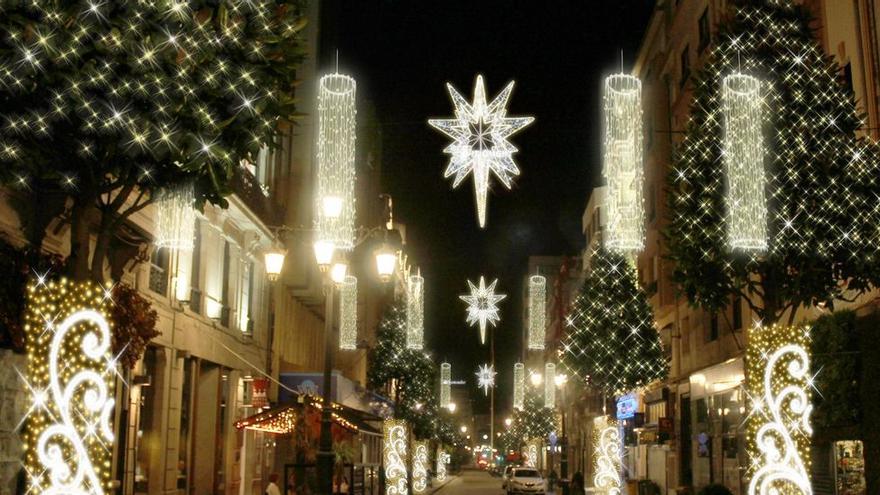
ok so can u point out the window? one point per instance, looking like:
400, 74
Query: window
705, 36
195, 298
685, 332
685, 64
148, 433
713, 328
159, 260
260, 168
654, 412
737, 313
224, 294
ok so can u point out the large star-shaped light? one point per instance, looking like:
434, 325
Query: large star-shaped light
482, 305
480, 131
486, 377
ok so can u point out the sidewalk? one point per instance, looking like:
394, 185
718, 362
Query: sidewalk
436, 486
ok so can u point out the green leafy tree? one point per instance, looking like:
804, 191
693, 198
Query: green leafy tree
822, 180
102, 104
409, 374
532, 421
611, 343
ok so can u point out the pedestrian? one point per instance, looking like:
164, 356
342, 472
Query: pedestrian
273, 489
551, 479
576, 486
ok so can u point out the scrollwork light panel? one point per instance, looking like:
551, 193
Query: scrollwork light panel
445, 384
623, 166
348, 308
533, 453
420, 467
744, 163
415, 312
395, 439
334, 194
607, 451
550, 385
71, 374
779, 386
519, 385
537, 311
176, 218
442, 461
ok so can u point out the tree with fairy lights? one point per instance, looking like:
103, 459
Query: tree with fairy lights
611, 343
532, 421
408, 375
821, 182
104, 104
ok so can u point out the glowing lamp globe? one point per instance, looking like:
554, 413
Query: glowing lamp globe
338, 272
324, 254
386, 260
536, 379
332, 206
273, 258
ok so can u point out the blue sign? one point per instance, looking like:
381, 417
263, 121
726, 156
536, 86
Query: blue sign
627, 406
553, 439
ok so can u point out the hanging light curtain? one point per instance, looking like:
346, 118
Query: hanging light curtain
348, 307
176, 218
744, 163
415, 312
519, 384
623, 167
537, 311
445, 383
334, 194
550, 385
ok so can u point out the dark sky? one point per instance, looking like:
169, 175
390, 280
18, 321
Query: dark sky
402, 53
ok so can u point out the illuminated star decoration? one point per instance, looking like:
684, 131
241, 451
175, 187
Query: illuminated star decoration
483, 305
480, 131
486, 377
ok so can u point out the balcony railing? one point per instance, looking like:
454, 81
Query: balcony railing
252, 194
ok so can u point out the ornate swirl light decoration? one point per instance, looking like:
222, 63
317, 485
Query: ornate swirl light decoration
70, 375
741, 108
537, 312
623, 167
420, 467
348, 309
442, 461
445, 384
334, 191
395, 439
550, 385
480, 146
415, 312
532, 453
486, 377
176, 218
607, 451
483, 305
519, 386
780, 392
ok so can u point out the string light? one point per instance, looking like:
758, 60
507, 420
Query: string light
415, 312
348, 304
70, 375
779, 387
395, 441
623, 165
486, 377
445, 384
334, 200
607, 450
176, 218
480, 131
550, 385
420, 467
537, 311
281, 422
519, 385
483, 305
744, 162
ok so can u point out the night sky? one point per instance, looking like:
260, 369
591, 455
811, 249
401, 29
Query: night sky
402, 53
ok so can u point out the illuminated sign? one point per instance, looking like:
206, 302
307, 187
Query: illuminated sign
627, 406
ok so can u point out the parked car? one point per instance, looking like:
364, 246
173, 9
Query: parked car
526, 481
505, 477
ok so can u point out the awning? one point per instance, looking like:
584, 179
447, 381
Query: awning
281, 420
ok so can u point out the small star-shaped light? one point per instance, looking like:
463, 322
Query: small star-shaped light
483, 305
486, 377
480, 131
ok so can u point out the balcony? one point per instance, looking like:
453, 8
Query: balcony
249, 190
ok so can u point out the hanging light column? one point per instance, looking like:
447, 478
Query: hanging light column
415, 312
623, 167
519, 385
537, 312
550, 385
348, 307
445, 383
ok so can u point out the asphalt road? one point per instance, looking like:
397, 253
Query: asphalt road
473, 483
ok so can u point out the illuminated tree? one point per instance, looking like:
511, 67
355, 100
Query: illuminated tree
821, 179
532, 421
102, 104
611, 343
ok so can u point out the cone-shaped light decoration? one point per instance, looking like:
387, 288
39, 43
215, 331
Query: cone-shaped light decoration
348, 313
623, 168
334, 193
744, 163
550, 385
176, 218
537, 311
415, 312
445, 383
519, 385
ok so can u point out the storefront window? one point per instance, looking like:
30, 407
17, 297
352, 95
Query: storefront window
719, 439
185, 424
148, 435
849, 464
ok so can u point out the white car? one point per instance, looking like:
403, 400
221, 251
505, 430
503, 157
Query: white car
505, 477
525, 480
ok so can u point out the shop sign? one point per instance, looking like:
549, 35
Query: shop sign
627, 406
260, 398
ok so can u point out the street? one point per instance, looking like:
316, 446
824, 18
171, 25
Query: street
473, 483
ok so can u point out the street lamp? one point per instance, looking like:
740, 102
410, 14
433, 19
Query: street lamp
561, 380
536, 378
508, 422
386, 260
338, 271
324, 254
452, 407
273, 258
463, 429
